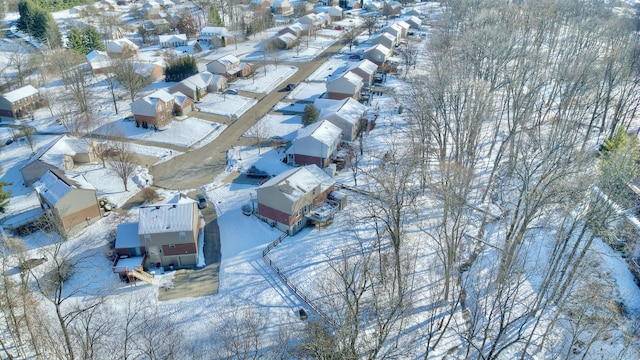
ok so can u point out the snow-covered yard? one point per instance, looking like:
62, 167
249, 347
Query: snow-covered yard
229, 105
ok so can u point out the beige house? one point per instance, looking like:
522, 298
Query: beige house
229, 66
61, 154
183, 104
315, 144
348, 85
217, 36
99, 61
71, 203
377, 54
169, 234
365, 69
385, 39
293, 199
122, 48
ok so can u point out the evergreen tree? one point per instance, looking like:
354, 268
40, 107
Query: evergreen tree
181, 68
4, 197
310, 114
92, 40
215, 17
76, 41
197, 48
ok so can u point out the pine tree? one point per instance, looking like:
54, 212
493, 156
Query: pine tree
215, 17
197, 48
310, 114
92, 40
4, 197
76, 41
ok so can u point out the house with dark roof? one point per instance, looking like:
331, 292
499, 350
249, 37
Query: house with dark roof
70, 202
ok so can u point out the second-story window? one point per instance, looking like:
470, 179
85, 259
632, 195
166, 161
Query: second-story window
147, 238
183, 236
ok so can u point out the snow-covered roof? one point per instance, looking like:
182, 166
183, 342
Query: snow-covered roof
20, 93
385, 35
200, 80
287, 38
210, 31
147, 104
348, 76
180, 98
166, 218
228, 59
348, 109
65, 145
54, 186
127, 236
172, 38
323, 131
380, 48
365, 65
403, 24
297, 182
98, 59
116, 46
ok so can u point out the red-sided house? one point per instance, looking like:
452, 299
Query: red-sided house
154, 110
19, 103
292, 199
315, 144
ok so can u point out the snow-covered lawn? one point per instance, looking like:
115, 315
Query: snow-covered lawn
266, 79
285, 126
229, 105
307, 91
184, 133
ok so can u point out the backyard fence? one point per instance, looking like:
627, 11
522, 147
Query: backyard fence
288, 282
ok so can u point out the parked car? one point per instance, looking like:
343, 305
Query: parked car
202, 201
355, 56
254, 172
290, 87
231, 91
338, 28
9, 142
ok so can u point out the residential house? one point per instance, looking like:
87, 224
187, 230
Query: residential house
154, 110
121, 48
98, 61
386, 39
347, 114
281, 7
151, 9
347, 85
171, 41
414, 12
61, 154
157, 26
404, 28
285, 41
130, 254
183, 104
336, 13
312, 22
229, 66
377, 54
395, 8
296, 29
19, 103
169, 234
70, 202
315, 144
195, 86
395, 30
365, 69
414, 22
354, 4
217, 36
153, 69
290, 200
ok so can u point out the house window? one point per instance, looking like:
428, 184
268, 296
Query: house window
147, 238
172, 246
159, 249
183, 236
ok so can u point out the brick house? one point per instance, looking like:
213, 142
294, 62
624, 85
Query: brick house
19, 103
155, 109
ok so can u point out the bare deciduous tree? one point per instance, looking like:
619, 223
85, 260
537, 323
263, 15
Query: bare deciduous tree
123, 162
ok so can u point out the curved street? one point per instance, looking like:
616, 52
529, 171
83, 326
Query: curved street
200, 166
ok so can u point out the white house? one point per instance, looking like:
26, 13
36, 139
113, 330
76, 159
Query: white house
346, 114
414, 22
195, 86
171, 41
99, 61
335, 12
229, 66
395, 30
348, 85
216, 36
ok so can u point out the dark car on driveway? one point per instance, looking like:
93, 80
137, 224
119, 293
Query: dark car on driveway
202, 201
254, 172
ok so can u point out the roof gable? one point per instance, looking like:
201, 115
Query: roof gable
166, 218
